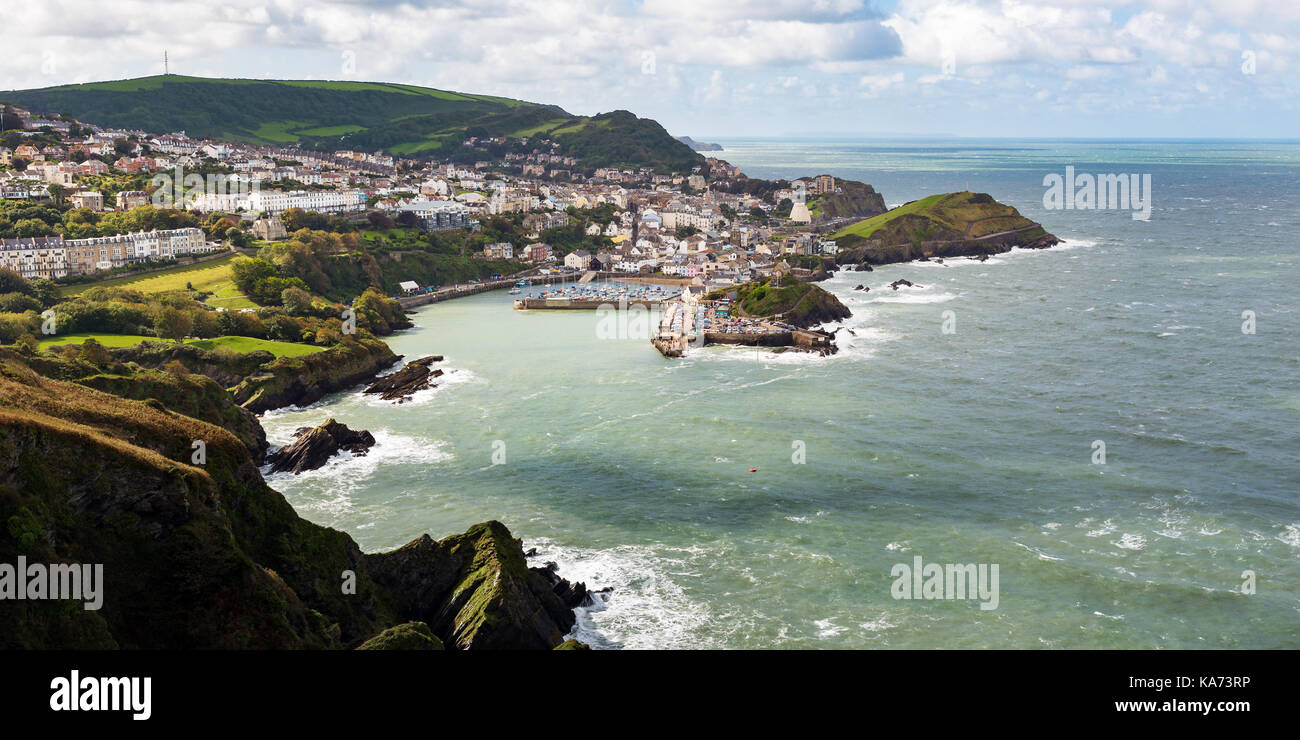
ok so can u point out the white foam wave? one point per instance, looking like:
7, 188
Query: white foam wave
1291, 535
350, 471
1130, 542
647, 608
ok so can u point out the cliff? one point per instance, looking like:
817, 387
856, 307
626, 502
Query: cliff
203, 554
305, 379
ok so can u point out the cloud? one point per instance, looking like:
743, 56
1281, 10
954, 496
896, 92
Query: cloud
738, 63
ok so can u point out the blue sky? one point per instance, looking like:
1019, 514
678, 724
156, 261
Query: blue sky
1060, 68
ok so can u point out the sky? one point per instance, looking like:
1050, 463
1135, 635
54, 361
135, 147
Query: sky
739, 68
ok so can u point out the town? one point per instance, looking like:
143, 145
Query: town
79, 200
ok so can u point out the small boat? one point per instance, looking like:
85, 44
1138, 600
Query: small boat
515, 290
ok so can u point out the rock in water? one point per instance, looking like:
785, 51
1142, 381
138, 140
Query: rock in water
401, 385
899, 283
314, 446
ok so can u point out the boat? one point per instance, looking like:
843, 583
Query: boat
515, 290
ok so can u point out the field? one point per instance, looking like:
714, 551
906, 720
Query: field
238, 344
213, 275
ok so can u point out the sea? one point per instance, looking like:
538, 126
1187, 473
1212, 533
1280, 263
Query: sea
1113, 424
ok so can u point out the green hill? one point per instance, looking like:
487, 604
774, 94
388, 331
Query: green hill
404, 120
947, 224
797, 303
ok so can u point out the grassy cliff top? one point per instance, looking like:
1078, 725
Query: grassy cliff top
946, 216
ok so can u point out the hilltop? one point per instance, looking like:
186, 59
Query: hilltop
797, 303
943, 225
403, 120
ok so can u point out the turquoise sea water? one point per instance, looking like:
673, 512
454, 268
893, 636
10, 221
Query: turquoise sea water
632, 471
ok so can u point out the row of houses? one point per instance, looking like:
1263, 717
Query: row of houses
54, 257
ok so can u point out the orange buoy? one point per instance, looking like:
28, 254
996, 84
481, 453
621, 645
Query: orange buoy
753, 470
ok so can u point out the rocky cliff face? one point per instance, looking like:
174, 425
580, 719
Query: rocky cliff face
201, 553
475, 590
303, 380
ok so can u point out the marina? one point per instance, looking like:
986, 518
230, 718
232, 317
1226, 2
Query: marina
591, 296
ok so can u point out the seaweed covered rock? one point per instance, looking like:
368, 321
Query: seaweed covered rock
409, 636
475, 590
416, 375
314, 446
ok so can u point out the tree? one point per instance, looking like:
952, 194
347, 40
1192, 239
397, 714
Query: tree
94, 353
172, 323
236, 237
12, 282
296, 301
56, 192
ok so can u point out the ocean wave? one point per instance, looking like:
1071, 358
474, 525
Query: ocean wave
647, 608
348, 471
1291, 535
1130, 542
913, 295
449, 377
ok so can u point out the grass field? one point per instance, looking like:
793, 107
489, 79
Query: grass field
213, 275
238, 344
867, 227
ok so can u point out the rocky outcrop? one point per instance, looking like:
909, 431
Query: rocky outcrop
573, 595
475, 590
416, 375
202, 554
314, 446
900, 283
305, 379
940, 226
409, 636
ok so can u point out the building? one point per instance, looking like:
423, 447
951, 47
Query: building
538, 252
128, 199
278, 201
579, 259
269, 228
91, 199
499, 251
438, 214
539, 221
105, 252
36, 257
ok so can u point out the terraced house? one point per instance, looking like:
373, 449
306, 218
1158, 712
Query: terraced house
54, 256
36, 257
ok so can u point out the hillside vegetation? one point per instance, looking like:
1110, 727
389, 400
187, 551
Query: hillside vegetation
404, 120
797, 303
